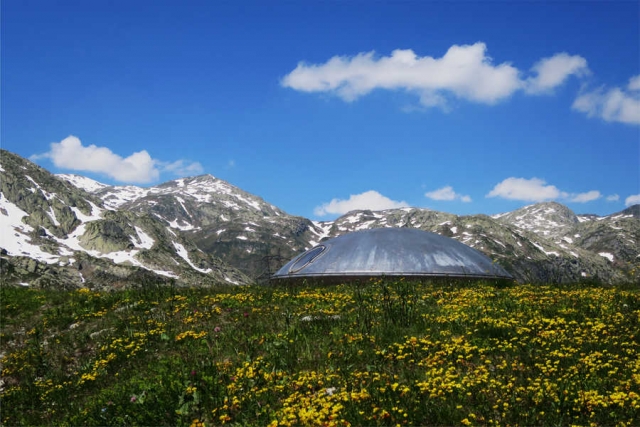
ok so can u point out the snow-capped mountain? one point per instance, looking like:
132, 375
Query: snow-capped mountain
534, 253
200, 189
546, 219
615, 237
199, 226
541, 242
54, 232
223, 220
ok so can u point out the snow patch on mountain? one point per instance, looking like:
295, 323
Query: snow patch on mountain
12, 230
96, 213
320, 229
87, 184
17, 242
144, 240
537, 245
619, 216
182, 252
52, 215
606, 255
365, 225
115, 197
181, 201
183, 227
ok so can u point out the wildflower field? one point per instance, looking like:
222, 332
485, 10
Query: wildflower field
383, 352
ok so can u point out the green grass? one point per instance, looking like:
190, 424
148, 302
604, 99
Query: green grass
381, 353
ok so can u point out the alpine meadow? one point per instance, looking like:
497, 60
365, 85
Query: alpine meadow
319, 213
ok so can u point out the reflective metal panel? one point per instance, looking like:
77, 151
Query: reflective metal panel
391, 252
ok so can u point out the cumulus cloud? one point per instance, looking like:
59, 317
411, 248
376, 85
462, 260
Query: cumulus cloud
612, 105
528, 190
465, 71
585, 197
552, 72
446, 193
537, 190
613, 198
632, 200
368, 200
139, 167
181, 168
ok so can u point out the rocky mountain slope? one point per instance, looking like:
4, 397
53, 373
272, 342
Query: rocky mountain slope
225, 221
219, 225
539, 243
57, 234
531, 253
613, 237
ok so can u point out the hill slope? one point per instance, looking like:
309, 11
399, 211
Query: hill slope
203, 228
57, 234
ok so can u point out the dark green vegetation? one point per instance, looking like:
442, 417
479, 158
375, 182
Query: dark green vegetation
379, 353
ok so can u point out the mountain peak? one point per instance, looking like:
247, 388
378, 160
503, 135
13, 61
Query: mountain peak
181, 182
540, 242
633, 210
87, 184
545, 218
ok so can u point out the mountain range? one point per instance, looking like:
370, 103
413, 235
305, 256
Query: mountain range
67, 231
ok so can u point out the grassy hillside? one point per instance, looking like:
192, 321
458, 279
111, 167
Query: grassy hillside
380, 353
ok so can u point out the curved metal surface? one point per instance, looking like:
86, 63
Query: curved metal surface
392, 252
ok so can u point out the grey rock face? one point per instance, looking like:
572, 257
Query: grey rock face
61, 236
606, 248
202, 229
528, 256
533, 243
548, 219
224, 221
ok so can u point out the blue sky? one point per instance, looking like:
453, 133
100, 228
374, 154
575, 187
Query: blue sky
322, 107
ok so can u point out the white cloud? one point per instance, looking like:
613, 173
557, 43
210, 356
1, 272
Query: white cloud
528, 190
368, 200
537, 190
464, 71
613, 105
585, 197
446, 193
613, 198
180, 168
552, 72
632, 200
139, 167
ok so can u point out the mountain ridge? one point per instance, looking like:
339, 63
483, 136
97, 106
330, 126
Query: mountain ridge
48, 225
539, 234
218, 224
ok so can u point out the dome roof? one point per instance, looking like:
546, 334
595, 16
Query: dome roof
391, 252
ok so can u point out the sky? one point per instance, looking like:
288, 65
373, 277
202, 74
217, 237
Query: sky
321, 107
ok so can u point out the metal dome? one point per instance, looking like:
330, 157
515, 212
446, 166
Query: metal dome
391, 252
